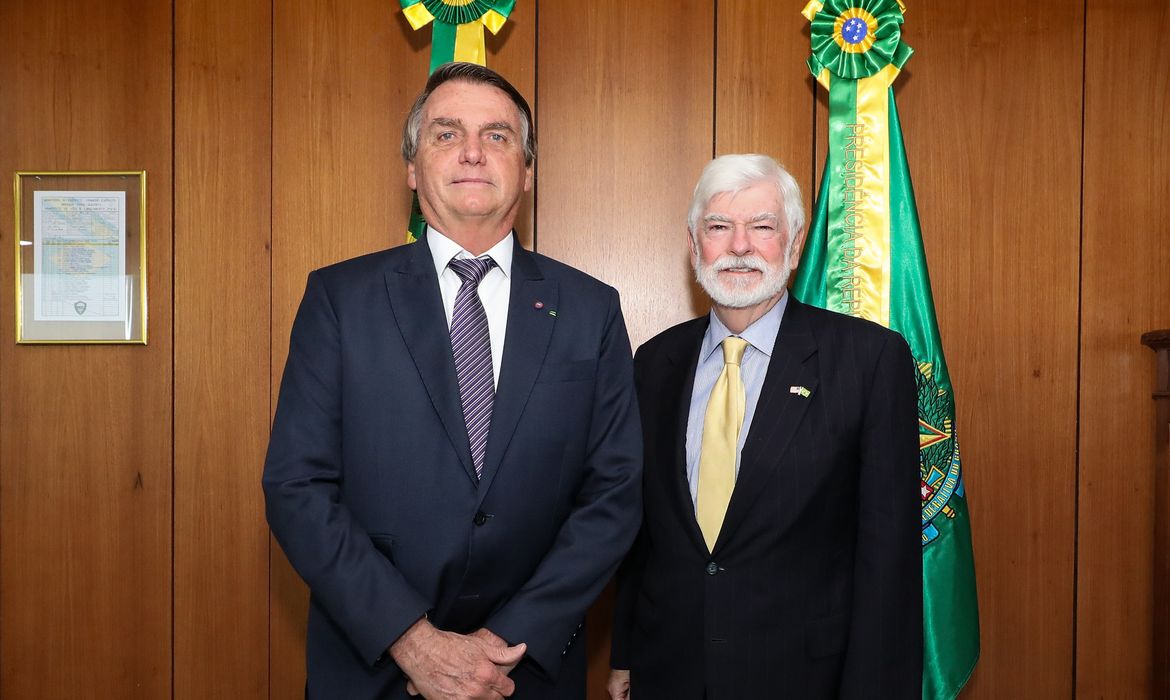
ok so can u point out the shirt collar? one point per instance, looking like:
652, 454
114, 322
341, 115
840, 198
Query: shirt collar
761, 335
444, 250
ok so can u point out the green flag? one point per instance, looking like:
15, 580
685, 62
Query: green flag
864, 257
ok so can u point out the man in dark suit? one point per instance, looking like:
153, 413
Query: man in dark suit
780, 554
455, 462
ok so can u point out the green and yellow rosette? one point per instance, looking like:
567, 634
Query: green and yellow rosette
857, 52
855, 40
458, 25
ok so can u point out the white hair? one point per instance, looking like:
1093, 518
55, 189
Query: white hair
737, 172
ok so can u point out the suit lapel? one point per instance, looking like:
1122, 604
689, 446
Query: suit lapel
417, 303
778, 415
526, 344
683, 360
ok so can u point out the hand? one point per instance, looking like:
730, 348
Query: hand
442, 664
619, 684
484, 635
490, 638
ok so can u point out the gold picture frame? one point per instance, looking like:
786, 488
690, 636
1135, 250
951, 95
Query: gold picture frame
81, 257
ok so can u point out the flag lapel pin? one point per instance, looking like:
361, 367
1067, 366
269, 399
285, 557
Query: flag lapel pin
800, 391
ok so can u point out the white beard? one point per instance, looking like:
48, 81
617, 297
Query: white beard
735, 293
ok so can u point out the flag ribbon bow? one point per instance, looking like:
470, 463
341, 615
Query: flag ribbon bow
857, 52
457, 33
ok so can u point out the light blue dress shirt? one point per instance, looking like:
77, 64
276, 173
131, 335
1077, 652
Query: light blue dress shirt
761, 338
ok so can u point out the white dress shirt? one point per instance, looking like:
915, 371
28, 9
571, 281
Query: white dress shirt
493, 289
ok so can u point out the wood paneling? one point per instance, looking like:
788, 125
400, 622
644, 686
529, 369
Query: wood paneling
764, 97
990, 107
223, 76
1126, 285
85, 431
626, 126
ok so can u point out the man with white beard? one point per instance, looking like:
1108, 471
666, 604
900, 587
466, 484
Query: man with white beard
779, 554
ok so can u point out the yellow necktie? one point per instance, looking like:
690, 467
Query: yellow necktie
721, 428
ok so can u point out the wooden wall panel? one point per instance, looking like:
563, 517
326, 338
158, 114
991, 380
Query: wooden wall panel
626, 124
764, 97
1126, 288
991, 106
223, 76
85, 431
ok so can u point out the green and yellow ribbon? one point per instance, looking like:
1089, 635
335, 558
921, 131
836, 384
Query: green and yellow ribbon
857, 52
457, 33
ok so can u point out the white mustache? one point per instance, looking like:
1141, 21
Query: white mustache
749, 262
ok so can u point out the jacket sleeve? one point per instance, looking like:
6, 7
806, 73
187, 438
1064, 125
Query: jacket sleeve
359, 588
547, 612
885, 636
629, 579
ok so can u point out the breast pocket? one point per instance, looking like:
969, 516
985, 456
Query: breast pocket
579, 371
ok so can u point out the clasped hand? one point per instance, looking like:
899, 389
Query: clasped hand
441, 664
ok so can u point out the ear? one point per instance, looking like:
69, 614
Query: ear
411, 182
528, 178
693, 244
797, 248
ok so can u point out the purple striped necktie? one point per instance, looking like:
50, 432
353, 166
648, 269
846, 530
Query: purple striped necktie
471, 345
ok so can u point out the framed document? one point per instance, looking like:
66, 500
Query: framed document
81, 257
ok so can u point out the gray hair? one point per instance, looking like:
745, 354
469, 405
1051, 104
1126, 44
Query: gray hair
737, 172
477, 75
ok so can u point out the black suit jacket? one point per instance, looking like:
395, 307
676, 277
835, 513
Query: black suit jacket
370, 488
813, 589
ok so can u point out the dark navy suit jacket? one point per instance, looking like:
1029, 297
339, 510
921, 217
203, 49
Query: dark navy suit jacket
814, 587
371, 492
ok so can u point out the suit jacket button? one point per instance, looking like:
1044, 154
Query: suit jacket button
480, 518
712, 568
